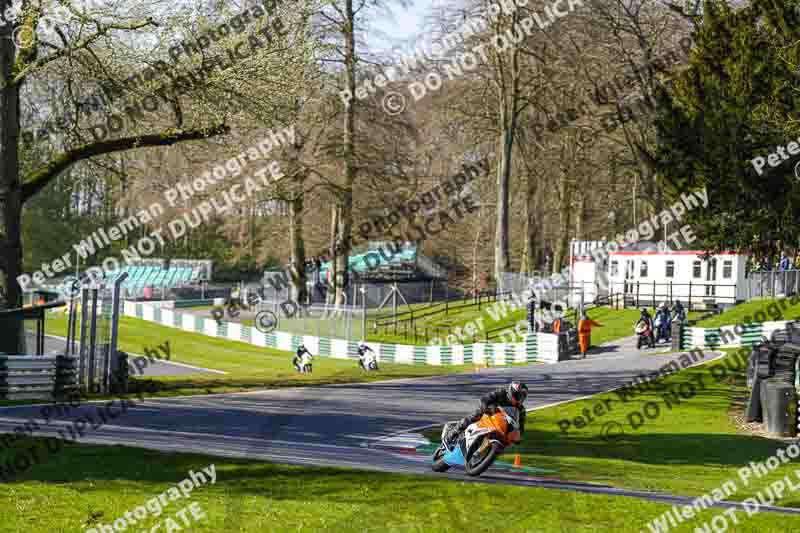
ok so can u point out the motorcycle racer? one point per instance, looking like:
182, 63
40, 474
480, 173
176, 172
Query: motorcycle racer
513, 395
297, 361
362, 356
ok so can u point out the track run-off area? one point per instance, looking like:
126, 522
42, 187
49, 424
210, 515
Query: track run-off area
367, 426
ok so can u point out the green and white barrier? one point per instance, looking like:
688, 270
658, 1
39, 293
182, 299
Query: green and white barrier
539, 347
732, 336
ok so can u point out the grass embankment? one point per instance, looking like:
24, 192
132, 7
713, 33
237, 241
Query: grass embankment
249, 367
441, 325
617, 324
688, 449
84, 486
762, 310
431, 320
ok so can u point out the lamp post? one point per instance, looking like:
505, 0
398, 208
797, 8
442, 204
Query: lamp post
363, 291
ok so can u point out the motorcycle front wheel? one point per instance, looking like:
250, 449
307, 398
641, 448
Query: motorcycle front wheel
438, 464
479, 462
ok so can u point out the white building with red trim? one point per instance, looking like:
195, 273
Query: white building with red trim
646, 273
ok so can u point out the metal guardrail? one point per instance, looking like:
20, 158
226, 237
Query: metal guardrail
772, 283
31, 377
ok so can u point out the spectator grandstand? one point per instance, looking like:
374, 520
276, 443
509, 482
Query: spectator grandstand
146, 275
378, 261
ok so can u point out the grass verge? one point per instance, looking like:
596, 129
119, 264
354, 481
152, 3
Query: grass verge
84, 486
761, 310
688, 447
249, 367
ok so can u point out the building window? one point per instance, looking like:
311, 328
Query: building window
670, 269
614, 268
643, 270
727, 269
696, 269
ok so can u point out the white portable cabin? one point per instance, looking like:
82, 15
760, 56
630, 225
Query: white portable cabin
585, 273
650, 273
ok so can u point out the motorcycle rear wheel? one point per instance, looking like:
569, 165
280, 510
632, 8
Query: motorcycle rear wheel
438, 464
479, 467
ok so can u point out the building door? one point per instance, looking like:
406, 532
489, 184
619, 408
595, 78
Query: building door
711, 277
629, 288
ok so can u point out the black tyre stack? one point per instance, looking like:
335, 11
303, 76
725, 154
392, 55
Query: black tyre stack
772, 374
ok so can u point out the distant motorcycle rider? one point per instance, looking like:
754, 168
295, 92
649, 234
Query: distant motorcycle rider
362, 356
645, 318
298, 357
513, 395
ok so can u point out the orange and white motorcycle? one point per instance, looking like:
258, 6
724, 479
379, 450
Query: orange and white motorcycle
480, 444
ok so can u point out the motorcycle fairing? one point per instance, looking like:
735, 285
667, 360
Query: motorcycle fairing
454, 457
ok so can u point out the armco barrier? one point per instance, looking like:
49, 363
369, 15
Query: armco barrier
35, 377
727, 337
539, 347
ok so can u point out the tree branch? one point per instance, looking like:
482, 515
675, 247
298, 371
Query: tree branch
102, 29
43, 175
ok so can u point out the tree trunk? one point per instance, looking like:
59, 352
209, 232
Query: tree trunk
330, 294
501, 255
528, 263
564, 211
342, 282
10, 190
580, 217
298, 257
476, 249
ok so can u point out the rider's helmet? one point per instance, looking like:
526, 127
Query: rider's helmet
517, 392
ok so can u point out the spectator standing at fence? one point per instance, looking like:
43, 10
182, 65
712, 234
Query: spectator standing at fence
680, 312
784, 264
531, 311
585, 332
236, 298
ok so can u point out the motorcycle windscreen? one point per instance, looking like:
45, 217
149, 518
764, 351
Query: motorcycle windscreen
455, 457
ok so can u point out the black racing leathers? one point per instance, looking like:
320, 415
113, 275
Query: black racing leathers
488, 403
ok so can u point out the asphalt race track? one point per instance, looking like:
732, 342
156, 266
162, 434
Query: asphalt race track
56, 345
361, 426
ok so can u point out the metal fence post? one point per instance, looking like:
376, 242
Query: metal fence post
773, 284
92, 342
112, 359
83, 365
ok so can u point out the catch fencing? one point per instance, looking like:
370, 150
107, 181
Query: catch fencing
772, 283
